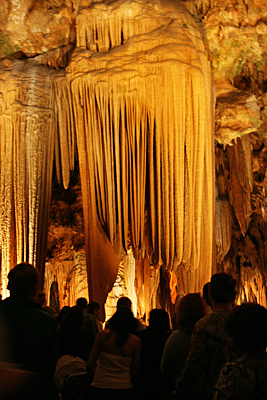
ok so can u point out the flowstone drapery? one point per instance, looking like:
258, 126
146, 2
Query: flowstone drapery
27, 149
142, 95
137, 96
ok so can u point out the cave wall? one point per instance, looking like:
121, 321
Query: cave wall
235, 38
236, 34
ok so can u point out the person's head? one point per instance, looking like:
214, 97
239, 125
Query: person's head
190, 309
122, 323
159, 320
73, 319
247, 325
51, 311
23, 280
124, 302
222, 288
62, 314
82, 302
93, 308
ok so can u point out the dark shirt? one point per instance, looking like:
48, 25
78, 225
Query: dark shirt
149, 382
33, 340
76, 342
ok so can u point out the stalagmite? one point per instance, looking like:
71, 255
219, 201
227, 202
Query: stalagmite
142, 94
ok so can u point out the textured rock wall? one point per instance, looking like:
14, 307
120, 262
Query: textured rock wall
235, 36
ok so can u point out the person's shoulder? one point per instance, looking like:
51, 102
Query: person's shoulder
45, 315
215, 317
89, 318
44, 319
104, 334
212, 326
202, 322
135, 340
178, 336
139, 326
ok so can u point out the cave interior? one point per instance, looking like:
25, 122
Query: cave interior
133, 148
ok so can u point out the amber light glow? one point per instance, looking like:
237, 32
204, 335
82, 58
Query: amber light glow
136, 103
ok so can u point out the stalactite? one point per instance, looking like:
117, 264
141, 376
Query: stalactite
143, 101
27, 147
224, 221
241, 180
137, 96
223, 208
65, 146
6, 195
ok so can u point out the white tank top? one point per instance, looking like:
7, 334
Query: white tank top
113, 372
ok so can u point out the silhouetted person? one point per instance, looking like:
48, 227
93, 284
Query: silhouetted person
61, 315
190, 309
93, 308
246, 377
82, 302
149, 382
33, 333
13, 380
118, 355
210, 345
89, 321
74, 338
50, 310
125, 302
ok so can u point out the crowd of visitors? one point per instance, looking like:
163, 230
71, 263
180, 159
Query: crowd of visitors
217, 350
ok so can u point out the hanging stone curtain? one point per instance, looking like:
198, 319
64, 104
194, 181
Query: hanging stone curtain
137, 95
143, 103
27, 154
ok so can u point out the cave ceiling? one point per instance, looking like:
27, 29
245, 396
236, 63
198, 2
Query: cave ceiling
160, 110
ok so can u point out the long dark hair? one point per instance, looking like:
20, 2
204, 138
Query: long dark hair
122, 323
190, 309
72, 321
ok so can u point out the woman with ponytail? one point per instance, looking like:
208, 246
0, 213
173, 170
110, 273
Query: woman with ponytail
117, 353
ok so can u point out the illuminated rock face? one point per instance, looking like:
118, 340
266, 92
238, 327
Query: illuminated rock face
27, 148
136, 103
36, 26
142, 95
235, 35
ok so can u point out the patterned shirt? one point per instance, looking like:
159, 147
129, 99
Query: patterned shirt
210, 349
244, 379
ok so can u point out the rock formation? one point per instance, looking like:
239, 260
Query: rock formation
127, 89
